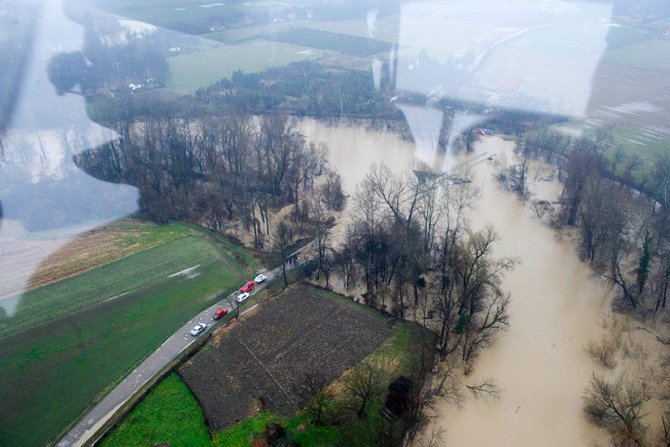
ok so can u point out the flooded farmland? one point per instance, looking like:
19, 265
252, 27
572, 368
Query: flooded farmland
539, 364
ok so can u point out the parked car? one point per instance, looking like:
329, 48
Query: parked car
242, 296
248, 287
260, 278
198, 329
220, 313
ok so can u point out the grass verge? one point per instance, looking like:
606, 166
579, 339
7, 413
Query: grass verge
168, 413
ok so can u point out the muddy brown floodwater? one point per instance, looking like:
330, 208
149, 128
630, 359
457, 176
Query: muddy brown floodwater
539, 364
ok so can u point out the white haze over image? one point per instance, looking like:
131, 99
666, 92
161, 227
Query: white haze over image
46, 131
526, 55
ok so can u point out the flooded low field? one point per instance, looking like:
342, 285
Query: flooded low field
558, 306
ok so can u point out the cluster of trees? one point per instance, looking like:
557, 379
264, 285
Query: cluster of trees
112, 57
214, 169
623, 232
409, 245
377, 401
303, 88
622, 220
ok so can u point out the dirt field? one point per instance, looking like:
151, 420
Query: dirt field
257, 363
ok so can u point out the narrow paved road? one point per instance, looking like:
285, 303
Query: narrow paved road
162, 356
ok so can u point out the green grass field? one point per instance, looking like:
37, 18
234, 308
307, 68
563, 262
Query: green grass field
621, 36
137, 274
386, 29
168, 413
327, 40
166, 12
647, 54
238, 35
75, 338
189, 72
635, 143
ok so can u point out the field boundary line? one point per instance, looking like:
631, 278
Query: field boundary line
316, 326
265, 368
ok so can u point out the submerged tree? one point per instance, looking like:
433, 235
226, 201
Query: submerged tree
618, 407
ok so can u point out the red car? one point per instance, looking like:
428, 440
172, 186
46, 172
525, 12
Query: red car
220, 313
248, 287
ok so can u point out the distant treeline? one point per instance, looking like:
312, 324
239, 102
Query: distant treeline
303, 88
112, 58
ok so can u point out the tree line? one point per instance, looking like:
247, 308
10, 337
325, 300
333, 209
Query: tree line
214, 169
622, 219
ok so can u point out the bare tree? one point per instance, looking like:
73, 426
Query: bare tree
322, 234
660, 277
364, 382
312, 390
661, 180
583, 163
281, 244
430, 213
618, 407
602, 218
332, 191
487, 387
605, 350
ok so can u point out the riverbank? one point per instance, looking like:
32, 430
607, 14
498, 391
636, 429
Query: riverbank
540, 365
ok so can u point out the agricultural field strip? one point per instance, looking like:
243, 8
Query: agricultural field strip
83, 292
264, 367
257, 357
327, 40
78, 358
95, 247
191, 71
386, 29
160, 358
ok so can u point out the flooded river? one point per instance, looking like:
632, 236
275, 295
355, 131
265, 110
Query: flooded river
539, 364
